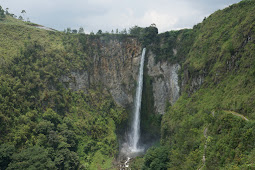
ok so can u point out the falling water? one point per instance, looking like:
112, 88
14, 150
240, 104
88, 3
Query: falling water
135, 129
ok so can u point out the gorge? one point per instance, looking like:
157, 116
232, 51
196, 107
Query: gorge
67, 99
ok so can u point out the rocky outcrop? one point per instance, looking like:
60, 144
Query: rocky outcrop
114, 67
165, 82
191, 83
76, 80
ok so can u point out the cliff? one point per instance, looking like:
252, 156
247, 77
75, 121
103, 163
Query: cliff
65, 96
114, 66
208, 126
164, 82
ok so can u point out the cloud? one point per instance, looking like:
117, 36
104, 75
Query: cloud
111, 14
163, 21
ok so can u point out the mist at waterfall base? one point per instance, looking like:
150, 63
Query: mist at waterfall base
132, 147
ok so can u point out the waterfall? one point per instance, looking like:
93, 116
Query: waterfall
135, 129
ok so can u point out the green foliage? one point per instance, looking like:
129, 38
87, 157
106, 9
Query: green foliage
6, 152
174, 46
66, 159
229, 137
137, 163
40, 114
34, 157
136, 31
150, 121
208, 119
2, 15
149, 35
225, 31
99, 32
101, 162
45, 125
156, 158
231, 141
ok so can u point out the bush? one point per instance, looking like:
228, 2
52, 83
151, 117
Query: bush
34, 157
2, 15
6, 152
156, 158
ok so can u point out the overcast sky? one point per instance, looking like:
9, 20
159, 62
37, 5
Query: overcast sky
93, 15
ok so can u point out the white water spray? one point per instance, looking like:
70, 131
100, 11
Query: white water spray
135, 129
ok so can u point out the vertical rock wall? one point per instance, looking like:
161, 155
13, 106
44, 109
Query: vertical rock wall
114, 67
165, 82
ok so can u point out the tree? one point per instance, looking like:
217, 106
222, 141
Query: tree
137, 31
150, 35
156, 158
68, 30
81, 30
6, 152
2, 16
7, 11
66, 159
153, 25
99, 32
23, 12
74, 31
124, 31
21, 18
34, 157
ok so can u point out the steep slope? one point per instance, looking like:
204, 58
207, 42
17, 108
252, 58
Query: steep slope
200, 131
60, 95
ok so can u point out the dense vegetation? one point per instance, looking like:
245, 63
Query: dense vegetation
212, 124
2, 14
43, 124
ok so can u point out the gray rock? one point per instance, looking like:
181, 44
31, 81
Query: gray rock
165, 82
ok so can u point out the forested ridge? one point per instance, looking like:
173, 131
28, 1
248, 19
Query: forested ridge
43, 124
211, 126
46, 125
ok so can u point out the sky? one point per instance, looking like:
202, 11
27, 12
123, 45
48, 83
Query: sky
109, 15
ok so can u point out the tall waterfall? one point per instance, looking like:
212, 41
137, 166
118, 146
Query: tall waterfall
135, 129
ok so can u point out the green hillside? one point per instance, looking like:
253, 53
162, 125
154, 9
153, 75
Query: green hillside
44, 125
212, 126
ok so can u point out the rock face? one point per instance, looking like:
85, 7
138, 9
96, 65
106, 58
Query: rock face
191, 83
165, 83
114, 67
76, 81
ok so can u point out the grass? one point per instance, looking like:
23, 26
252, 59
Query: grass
15, 33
